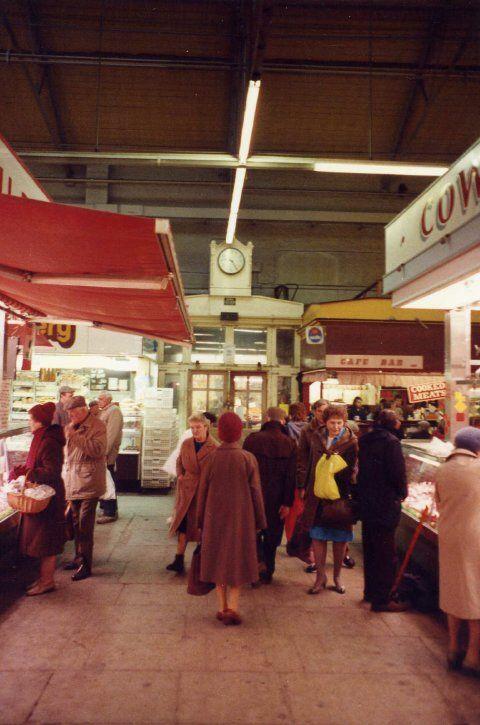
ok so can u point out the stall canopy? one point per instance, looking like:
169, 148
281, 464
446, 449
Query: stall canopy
114, 271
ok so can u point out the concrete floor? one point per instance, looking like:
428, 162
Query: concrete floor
130, 646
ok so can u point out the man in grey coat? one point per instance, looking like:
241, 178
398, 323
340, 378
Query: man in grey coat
111, 415
84, 478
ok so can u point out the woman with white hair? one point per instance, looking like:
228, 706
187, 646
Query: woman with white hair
458, 501
194, 452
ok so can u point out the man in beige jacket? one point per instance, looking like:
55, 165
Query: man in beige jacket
84, 477
112, 416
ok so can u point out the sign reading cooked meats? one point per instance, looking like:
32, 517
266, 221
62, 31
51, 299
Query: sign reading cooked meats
426, 391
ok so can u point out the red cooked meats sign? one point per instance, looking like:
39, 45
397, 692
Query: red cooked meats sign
426, 391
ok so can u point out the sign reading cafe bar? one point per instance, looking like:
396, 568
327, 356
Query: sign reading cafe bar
446, 205
375, 362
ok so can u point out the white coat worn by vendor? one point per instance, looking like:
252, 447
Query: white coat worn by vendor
111, 415
84, 476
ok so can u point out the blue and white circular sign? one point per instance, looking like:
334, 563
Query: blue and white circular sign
315, 335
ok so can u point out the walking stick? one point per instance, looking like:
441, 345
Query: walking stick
423, 519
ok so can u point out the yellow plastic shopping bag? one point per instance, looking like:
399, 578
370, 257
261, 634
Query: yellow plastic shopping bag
325, 485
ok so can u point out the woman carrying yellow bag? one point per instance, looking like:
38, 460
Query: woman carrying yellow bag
328, 512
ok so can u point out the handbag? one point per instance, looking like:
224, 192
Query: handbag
337, 514
196, 587
300, 544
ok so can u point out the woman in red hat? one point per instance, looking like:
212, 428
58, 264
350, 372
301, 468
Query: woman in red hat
42, 535
230, 512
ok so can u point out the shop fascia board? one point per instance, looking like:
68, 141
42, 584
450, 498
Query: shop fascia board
254, 307
454, 245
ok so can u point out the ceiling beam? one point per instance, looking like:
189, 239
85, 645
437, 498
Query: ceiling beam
32, 21
436, 25
42, 104
240, 39
303, 67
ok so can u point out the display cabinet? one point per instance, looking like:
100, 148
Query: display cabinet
14, 446
421, 465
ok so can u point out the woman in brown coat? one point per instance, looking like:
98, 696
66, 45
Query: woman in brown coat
230, 512
335, 441
43, 535
458, 500
194, 453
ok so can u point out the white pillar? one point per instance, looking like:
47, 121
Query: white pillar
457, 367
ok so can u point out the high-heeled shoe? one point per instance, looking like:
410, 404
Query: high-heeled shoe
339, 588
230, 617
316, 589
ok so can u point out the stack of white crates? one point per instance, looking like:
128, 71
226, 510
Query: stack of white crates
160, 436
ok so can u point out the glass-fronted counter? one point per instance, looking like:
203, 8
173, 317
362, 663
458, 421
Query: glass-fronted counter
422, 463
14, 446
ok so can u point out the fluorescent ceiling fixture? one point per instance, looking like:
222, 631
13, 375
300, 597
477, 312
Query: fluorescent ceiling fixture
240, 174
462, 293
248, 120
253, 332
396, 168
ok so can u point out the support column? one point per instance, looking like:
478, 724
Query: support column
458, 351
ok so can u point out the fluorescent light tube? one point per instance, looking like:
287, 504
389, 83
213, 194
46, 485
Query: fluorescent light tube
240, 174
248, 120
396, 168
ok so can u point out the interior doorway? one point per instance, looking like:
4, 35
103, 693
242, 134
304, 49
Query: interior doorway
249, 396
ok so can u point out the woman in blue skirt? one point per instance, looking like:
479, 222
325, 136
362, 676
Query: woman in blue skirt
331, 474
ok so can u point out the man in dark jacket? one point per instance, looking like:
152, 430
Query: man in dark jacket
381, 488
276, 454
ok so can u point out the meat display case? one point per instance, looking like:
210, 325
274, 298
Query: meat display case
421, 467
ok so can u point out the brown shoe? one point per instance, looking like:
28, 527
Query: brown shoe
231, 618
391, 607
220, 616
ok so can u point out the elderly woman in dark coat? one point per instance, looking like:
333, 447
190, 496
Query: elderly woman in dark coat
230, 513
334, 443
42, 535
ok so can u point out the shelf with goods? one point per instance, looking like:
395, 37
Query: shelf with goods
14, 447
132, 427
160, 436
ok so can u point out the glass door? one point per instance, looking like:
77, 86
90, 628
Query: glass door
207, 392
249, 397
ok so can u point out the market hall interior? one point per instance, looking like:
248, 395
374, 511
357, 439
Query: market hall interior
130, 645
225, 205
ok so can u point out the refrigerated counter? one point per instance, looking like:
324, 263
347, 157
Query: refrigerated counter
421, 466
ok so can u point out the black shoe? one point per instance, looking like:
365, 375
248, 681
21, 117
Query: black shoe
83, 572
71, 566
311, 569
348, 562
177, 564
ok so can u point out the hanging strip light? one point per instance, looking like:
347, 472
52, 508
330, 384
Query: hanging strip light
243, 153
396, 168
240, 174
248, 120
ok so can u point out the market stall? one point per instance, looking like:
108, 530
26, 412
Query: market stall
433, 263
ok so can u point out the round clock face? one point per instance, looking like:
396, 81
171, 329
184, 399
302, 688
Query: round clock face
231, 260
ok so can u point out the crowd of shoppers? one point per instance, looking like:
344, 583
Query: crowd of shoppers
235, 502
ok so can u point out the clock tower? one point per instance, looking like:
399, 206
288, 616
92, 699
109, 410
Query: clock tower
231, 269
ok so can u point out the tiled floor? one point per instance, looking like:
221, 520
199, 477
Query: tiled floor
130, 646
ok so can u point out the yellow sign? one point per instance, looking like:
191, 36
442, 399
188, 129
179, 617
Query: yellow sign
63, 334
460, 404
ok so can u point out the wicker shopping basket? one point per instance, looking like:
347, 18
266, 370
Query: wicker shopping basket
27, 505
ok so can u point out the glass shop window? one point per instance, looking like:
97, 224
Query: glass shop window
207, 392
172, 353
209, 344
285, 346
284, 390
250, 346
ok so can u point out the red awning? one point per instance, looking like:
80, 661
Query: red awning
118, 272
